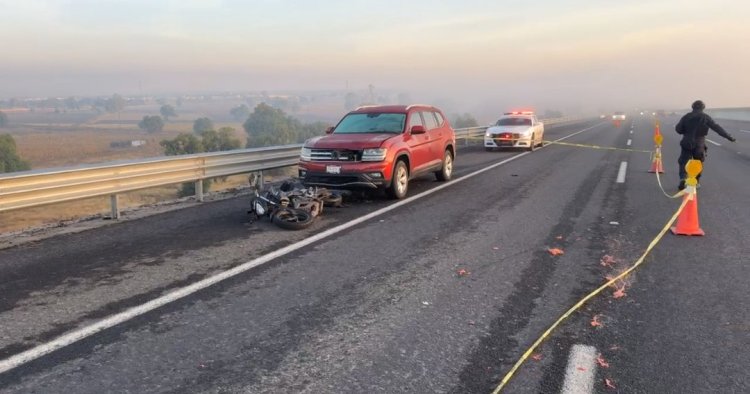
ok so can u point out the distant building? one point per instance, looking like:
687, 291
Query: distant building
127, 144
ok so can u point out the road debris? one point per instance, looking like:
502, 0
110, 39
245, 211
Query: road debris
595, 322
601, 361
610, 384
555, 251
607, 260
462, 272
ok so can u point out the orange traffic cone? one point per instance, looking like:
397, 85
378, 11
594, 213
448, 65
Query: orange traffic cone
656, 165
687, 222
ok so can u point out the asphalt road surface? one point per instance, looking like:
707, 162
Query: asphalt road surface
442, 294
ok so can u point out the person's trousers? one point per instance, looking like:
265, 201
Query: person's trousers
697, 153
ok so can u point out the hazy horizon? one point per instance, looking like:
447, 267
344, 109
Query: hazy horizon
581, 54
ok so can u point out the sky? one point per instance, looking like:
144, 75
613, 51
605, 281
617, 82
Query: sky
575, 54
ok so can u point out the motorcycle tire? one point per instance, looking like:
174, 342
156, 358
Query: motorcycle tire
333, 200
292, 219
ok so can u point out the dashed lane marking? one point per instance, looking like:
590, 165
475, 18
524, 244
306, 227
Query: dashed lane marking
621, 173
580, 372
630, 142
713, 142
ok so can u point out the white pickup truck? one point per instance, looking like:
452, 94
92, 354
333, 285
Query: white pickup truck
515, 130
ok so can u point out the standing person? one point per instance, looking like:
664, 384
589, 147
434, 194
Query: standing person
694, 127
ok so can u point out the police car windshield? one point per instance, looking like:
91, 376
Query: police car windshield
371, 123
514, 122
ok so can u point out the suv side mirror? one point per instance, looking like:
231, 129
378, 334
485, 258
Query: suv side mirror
417, 129
329, 130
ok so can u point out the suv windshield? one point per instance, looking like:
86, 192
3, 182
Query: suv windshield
371, 123
514, 122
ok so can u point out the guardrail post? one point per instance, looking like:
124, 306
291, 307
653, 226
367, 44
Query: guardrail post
199, 190
260, 180
114, 205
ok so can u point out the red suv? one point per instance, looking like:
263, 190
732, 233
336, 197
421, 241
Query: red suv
381, 147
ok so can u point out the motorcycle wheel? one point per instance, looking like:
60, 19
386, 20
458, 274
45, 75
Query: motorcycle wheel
333, 200
292, 219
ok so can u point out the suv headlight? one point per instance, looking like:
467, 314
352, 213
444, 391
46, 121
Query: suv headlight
306, 154
377, 154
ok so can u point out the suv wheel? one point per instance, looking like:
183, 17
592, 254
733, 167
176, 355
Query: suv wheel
532, 144
446, 171
399, 181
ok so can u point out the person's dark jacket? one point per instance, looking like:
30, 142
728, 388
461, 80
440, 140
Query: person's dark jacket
694, 127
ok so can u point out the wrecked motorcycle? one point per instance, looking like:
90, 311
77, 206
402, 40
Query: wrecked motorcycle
292, 206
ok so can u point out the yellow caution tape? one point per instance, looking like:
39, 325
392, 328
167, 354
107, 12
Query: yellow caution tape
580, 303
572, 144
676, 195
595, 146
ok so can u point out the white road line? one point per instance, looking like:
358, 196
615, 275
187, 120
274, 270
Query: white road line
77, 335
580, 372
630, 142
631, 131
715, 143
745, 131
622, 172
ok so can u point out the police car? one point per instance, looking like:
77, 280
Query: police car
520, 129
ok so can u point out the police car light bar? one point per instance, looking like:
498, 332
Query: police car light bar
519, 113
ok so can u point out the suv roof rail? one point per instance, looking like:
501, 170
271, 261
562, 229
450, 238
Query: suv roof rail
408, 107
366, 106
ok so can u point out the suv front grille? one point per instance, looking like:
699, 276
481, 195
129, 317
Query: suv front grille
335, 155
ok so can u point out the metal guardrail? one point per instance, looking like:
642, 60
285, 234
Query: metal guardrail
35, 188
739, 114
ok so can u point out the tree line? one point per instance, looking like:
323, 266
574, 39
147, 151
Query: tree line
10, 161
264, 126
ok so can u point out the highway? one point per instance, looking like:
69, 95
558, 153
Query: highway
440, 294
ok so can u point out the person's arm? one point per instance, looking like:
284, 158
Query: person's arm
719, 130
680, 127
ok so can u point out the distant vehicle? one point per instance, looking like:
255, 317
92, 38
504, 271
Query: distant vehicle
660, 113
515, 130
618, 116
381, 147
